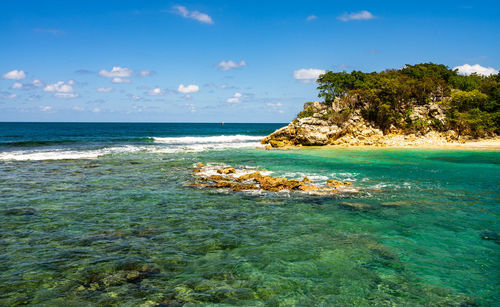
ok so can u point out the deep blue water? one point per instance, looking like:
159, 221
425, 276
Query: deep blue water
38, 134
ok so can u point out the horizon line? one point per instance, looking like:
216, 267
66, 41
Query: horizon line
134, 122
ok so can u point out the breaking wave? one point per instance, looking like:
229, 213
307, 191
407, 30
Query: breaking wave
159, 145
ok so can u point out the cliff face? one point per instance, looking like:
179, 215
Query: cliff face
343, 123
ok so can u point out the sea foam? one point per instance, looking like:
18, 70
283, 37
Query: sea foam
160, 145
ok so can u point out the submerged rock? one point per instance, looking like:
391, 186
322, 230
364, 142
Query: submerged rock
355, 206
490, 236
128, 274
20, 211
394, 203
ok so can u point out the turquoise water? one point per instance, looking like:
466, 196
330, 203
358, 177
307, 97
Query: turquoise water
100, 216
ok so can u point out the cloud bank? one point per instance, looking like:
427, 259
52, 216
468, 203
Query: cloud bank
467, 69
62, 89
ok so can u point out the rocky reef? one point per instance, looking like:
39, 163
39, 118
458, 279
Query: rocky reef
236, 180
341, 124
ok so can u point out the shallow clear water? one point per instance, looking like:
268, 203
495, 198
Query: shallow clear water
126, 227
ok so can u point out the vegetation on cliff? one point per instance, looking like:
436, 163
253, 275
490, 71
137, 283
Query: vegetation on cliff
388, 100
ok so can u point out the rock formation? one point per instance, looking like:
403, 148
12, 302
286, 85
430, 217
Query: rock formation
343, 123
242, 180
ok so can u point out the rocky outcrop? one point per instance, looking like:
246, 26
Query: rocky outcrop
242, 180
343, 123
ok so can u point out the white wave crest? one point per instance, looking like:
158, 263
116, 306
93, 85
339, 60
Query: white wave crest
162, 145
208, 139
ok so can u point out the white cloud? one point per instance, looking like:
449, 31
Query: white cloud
120, 80
275, 105
105, 89
15, 75
467, 69
144, 73
156, 92
221, 86
5, 95
227, 65
311, 17
307, 75
37, 83
134, 97
45, 108
79, 109
61, 89
235, 99
116, 71
96, 110
66, 95
184, 12
191, 88
361, 15
30, 85
191, 107
34, 98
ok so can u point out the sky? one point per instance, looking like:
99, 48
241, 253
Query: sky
213, 61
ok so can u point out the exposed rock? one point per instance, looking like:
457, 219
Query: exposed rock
200, 165
306, 188
222, 185
220, 171
343, 123
270, 183
244, 187
335, 183
251, 176
229, 179
215, 178
229, 170
306, 180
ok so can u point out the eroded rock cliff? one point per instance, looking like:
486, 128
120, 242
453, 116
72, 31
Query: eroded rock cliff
343, 123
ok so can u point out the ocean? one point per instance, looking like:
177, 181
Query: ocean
105, 214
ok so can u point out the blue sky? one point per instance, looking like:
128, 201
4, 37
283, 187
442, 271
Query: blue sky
212, 61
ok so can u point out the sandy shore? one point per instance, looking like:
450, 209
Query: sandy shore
430, 143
